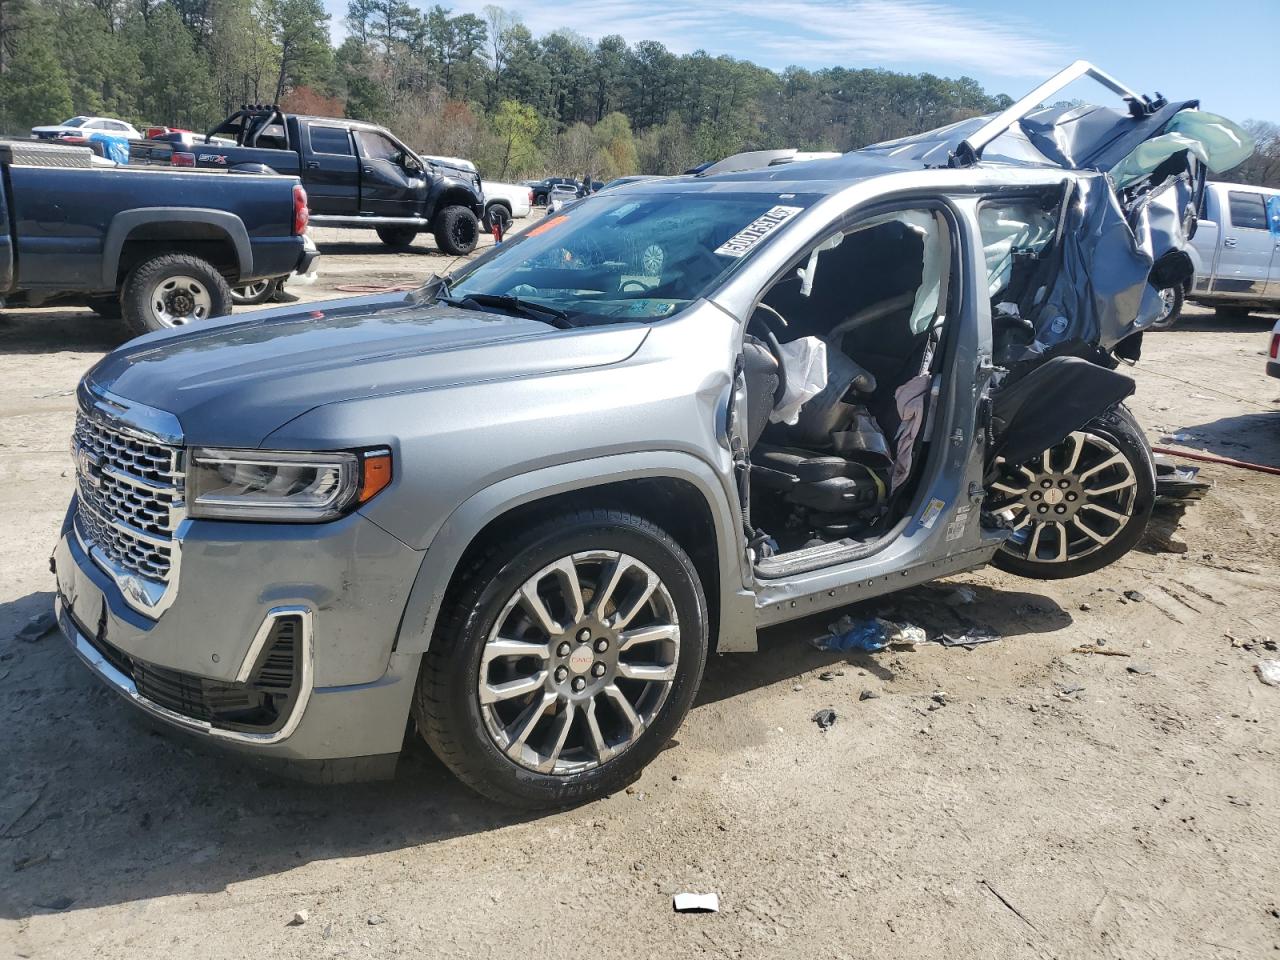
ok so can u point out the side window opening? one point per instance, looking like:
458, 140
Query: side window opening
1247, 210
857, 324
331, 140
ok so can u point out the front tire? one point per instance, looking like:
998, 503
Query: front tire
565, 660
494, 212
1079, 506
1172, 300
398, 238
456, 230
174, 290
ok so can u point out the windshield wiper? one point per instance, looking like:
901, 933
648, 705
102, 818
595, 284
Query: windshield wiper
505, 301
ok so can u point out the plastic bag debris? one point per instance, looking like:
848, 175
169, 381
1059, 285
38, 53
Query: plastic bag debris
696, 903
868, 636
805, 362
1268, 672
969, 639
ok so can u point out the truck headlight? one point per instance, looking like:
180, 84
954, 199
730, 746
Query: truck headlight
282, 485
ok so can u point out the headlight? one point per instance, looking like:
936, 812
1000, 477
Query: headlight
280, 485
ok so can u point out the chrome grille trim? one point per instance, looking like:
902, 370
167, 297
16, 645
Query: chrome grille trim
130, 496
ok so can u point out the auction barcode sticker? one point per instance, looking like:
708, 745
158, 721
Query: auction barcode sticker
740, 243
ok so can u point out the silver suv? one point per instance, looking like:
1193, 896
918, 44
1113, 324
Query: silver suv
523, 504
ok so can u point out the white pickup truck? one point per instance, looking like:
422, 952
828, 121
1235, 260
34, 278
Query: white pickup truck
1237, 250
515, 197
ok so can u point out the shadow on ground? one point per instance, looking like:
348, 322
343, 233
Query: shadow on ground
84, 782
1252, 437
55, 329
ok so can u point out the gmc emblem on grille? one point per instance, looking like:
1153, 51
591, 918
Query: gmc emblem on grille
87, 467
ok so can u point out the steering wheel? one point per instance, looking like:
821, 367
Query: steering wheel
767, 317
627, 285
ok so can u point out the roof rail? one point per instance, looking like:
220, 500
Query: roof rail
970, 149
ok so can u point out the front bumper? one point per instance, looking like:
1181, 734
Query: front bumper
354, 692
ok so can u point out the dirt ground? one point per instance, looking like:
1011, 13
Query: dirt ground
1056, 805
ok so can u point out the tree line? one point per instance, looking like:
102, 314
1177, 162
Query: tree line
476, 86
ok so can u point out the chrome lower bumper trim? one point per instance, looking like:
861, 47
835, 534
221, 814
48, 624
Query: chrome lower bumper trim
125, 686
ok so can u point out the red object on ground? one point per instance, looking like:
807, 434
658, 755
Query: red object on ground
1214, 458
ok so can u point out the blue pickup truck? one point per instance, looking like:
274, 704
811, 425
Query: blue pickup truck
162, 248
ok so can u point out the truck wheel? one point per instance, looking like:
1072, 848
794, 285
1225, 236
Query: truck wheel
1080, 505
565, 659
398, 237
493, 212
106, 307
260, 291
172, 291
456, 230
1171, 299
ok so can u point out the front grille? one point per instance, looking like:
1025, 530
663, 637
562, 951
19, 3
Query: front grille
130, 492
260, 705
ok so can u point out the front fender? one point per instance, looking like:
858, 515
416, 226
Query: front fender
737, 602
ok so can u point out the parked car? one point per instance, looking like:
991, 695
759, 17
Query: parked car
561, 193
542, 188
358, 175
524, 503
162, 249
84, 126
1273, 356
1236, 247
623, 181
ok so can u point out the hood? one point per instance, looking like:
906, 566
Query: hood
233, 381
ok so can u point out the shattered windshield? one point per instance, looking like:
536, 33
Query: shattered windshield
615, 258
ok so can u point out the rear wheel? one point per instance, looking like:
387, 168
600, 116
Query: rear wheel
457, 231
173, 291
565, 660
1081, 504
496, 212
398, 237
260, 291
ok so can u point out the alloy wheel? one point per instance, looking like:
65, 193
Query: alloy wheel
250, 291
1069, 502
176, 301
579, 662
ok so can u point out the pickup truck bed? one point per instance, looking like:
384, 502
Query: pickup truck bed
71, 232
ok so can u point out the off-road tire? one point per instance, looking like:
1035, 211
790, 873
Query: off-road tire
456, 230
398, 238
1118, 426
135, 300
446, 701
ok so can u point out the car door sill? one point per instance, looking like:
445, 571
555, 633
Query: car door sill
808, 559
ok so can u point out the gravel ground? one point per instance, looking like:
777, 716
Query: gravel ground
1018, 800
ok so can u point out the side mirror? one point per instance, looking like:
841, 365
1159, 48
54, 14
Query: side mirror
411, 164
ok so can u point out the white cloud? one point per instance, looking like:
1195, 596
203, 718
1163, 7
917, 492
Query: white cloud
923, 34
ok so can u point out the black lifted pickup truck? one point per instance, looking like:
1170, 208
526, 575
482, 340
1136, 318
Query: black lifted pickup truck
159, 247
357, 174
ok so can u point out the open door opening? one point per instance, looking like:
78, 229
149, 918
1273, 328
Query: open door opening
842, 361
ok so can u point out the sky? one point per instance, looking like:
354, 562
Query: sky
1184, 49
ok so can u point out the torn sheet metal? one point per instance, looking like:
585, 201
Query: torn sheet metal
1098, 291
